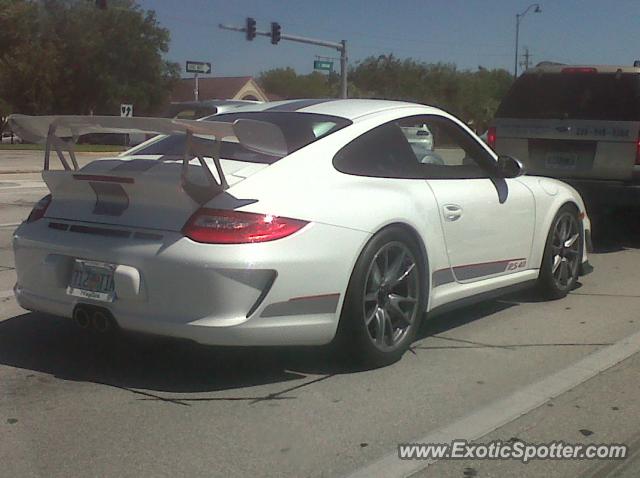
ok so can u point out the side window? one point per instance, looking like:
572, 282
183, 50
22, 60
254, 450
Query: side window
417, 147
383, 152
443, 150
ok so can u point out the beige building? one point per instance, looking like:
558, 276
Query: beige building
219, 88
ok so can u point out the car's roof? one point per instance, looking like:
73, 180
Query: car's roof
351, 109
558, 68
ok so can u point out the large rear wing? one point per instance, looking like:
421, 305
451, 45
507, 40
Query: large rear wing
62, 132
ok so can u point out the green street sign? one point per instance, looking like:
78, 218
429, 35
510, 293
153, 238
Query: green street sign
323, 65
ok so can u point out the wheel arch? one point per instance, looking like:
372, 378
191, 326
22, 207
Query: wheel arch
415, 235
549, 222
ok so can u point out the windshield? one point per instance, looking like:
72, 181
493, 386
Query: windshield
606, 97
298, 129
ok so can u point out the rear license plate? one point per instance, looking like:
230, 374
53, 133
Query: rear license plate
92, 280
564, 161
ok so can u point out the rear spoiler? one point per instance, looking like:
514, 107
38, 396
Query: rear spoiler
61, 133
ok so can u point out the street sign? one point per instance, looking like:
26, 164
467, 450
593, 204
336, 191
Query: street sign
323, 65
198, 67
126, 111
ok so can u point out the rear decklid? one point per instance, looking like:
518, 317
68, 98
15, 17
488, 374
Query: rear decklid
142, 192
573, 122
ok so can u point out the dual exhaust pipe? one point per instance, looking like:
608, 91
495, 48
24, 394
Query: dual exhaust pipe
93, 318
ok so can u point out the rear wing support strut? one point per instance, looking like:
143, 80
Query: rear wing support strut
60, 146
198, 193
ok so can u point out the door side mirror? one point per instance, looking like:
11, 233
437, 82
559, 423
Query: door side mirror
509, 167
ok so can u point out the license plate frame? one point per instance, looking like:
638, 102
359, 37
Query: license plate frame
92, 280
561, 161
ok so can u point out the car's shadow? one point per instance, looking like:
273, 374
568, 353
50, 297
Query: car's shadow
58, 347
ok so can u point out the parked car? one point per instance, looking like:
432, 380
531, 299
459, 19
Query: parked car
577, 123
317, 223
10, 138
200, 109
420, 139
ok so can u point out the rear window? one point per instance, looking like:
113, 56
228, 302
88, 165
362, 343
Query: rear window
299, 130
585, 96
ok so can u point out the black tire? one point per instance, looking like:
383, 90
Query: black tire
355, 338
557, 279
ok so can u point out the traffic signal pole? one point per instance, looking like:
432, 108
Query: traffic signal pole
340, 46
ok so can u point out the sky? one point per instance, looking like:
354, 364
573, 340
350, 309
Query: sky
468, 33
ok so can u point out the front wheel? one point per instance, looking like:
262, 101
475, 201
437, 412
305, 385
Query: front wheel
562, 255
385, 299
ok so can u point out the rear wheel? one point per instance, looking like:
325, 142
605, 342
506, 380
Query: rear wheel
385, 299
562, 254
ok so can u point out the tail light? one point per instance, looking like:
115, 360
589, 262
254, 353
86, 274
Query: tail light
491, 137
638, 150
39, 209
217, 226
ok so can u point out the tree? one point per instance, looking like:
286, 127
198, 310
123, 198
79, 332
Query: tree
67, 56
472, 95
285, 82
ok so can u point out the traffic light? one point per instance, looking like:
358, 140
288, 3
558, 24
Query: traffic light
251, 28
275, 33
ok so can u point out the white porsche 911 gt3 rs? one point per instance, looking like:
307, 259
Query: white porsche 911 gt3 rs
290, 223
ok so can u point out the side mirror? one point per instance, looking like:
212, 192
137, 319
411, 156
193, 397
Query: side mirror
509, 167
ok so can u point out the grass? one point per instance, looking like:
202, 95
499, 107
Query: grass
80, 148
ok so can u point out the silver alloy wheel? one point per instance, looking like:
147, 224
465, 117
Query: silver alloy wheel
390, 304
565, 250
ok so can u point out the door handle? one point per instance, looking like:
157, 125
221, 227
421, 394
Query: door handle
452, 212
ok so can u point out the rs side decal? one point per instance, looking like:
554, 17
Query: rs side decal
474, 271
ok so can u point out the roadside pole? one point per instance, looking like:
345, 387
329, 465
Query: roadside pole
197, 67
343, 69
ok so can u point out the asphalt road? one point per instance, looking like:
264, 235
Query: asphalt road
74, 405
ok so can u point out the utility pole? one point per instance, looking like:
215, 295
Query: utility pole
276, 35
519, 16
526, 57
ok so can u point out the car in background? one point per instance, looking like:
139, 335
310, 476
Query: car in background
304, 222
200, 109
421, 141
10, 138
191, 110
580, 124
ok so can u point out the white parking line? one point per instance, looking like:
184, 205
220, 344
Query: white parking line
10, 224
503, 411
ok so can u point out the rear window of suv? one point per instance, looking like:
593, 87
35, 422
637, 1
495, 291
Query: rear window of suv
583, 96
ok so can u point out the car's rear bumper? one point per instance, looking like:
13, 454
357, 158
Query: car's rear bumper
285, 292
603, 193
